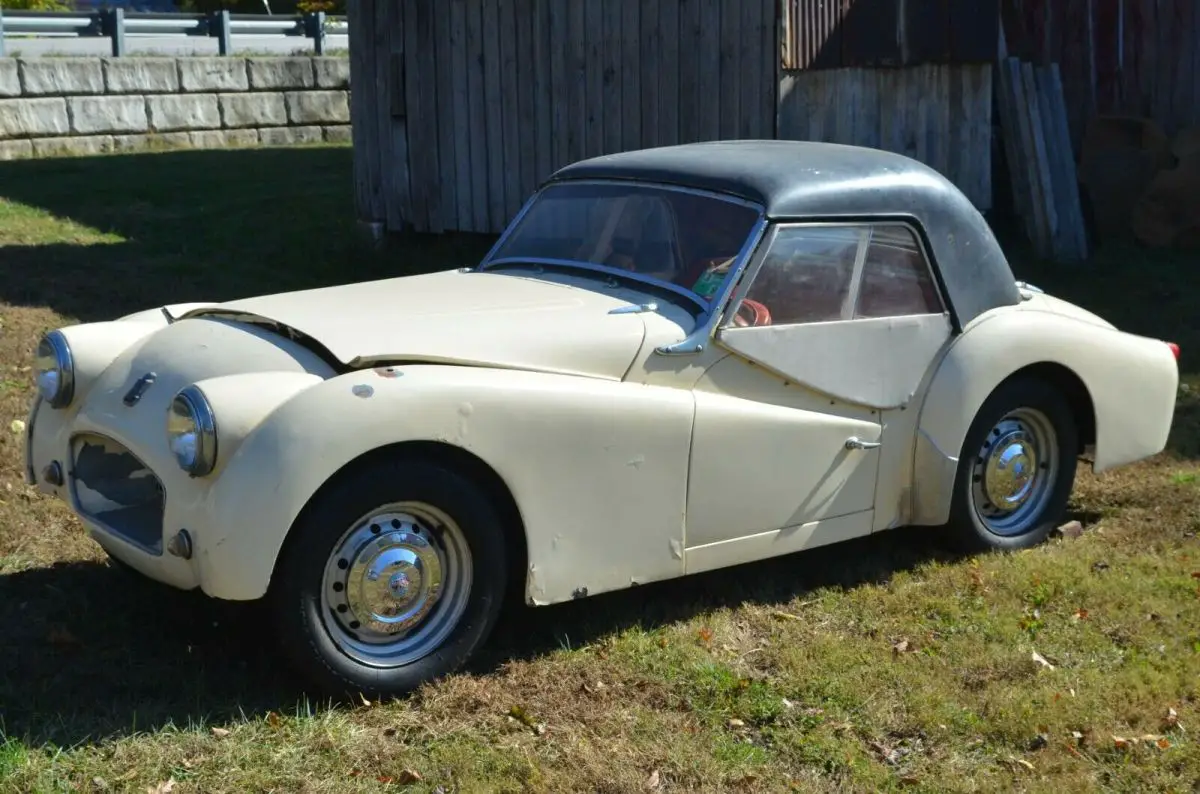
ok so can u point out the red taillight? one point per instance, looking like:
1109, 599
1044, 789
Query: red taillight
1174, 349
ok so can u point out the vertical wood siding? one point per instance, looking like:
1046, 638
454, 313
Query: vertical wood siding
938, 114
468, 104
1119, 57
486, 98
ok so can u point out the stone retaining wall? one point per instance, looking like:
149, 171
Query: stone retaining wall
83, 105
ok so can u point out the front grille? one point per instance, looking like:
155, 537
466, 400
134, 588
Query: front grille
116, 490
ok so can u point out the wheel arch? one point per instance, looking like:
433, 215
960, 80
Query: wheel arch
450, 456
1071, 386
935, 463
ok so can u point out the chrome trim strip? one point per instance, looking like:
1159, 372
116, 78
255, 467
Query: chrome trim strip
755, 266
635, 308
508, 230
706, 325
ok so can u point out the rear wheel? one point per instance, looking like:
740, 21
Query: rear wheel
1016, 469
393, 578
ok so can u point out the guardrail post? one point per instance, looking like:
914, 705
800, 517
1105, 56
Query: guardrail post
314, 24
113, 25
218, 25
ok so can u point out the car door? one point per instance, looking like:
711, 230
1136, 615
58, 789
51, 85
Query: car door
834, 324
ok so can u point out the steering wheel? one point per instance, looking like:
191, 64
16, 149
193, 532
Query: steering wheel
751, 313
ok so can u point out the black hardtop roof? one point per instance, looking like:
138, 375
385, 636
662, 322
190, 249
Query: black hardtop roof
799, 179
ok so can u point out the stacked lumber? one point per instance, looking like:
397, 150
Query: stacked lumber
1041, 161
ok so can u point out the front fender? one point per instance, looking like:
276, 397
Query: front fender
598, 469
1132, 381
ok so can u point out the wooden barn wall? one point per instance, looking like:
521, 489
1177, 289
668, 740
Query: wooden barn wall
938, 114
830, 34
473, 102
1124, 57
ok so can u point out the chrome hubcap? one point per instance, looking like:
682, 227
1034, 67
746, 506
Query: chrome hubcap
396, 584
1014, 472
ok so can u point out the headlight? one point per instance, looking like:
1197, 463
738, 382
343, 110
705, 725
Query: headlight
192, 432
55, 371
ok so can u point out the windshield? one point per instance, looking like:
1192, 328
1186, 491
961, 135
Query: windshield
684, 239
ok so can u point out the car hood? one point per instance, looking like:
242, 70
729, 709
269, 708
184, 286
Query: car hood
561, 324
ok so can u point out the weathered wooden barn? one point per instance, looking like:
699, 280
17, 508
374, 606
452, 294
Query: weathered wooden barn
1136, 58
460, 107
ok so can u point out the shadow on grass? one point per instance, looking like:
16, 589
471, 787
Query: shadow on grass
175, 227
92, 652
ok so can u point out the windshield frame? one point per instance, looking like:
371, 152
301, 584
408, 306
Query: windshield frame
707, 310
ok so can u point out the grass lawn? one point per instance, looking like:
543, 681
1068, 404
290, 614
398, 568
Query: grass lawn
882, 664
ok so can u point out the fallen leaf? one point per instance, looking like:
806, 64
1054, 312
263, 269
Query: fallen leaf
1120, 743
1022, 762
165, 787
1171, 721
408, 776
1149, 738
1037, 657
389, 732
1080, 614
652, 782
736, 724
662, 642
539, 729
99, 783
273, 719
17, 426
886, 754
1071, 529
705, 634
220, 733
900, 647
386, 779
1196, 574
1163, 744
785, 615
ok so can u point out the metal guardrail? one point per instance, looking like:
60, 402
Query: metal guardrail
114, 23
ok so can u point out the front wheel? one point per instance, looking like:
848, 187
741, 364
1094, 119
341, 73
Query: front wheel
1016, 469
393, 578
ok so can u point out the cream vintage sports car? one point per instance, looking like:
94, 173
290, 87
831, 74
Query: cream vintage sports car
673, 360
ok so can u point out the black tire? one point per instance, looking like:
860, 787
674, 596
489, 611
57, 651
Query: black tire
296, 589
966, 530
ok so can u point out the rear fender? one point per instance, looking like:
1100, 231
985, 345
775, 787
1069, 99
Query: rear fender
1131, 381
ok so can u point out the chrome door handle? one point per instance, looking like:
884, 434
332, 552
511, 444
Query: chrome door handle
854, 442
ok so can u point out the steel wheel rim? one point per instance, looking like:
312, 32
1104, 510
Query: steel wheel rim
396, 584
1013, 474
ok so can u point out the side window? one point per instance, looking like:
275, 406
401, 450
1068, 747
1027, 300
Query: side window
805, 277
895, 278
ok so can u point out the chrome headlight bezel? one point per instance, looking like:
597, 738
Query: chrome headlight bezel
192, 407
54, 346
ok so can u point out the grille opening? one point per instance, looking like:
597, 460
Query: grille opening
115, 489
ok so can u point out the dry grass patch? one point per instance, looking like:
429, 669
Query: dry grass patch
884, 664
